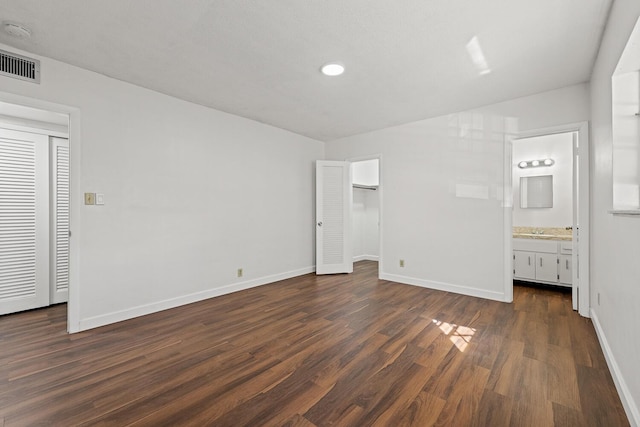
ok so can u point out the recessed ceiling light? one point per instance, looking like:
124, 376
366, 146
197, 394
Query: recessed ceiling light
16, 30
332, 69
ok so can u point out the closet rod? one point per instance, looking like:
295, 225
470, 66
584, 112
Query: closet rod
366, 187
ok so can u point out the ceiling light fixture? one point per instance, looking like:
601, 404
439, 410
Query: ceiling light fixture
332, 69
16, 30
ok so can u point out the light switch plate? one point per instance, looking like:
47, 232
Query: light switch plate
99, 199
89, 198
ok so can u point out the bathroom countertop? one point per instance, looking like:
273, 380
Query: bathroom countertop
543, 233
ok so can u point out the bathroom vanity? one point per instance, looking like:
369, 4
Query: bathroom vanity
543, 258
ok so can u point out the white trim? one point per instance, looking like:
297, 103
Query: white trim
34, 126
365, 258
447, 287
142, 310
582, 128
507, 218
629, 405
75, 159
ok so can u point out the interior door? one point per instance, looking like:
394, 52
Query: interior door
333, 217
24, 221
59, 283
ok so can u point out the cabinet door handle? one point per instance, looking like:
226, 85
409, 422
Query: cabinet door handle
566, 262
540, 262
529, 258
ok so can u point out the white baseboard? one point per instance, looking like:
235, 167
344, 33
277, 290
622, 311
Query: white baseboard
630, 407
441, 286
141, 310
365, 258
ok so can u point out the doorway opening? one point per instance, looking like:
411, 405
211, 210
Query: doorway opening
35, 208
348, 214
365, 207
550, 215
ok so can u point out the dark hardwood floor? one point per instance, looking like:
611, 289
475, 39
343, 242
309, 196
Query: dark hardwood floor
343, 350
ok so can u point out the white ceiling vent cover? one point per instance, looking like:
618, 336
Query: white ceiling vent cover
19, 67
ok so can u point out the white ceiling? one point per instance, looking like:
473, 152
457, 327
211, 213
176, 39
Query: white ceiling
405, 60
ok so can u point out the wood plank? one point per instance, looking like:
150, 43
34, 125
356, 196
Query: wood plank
423, 411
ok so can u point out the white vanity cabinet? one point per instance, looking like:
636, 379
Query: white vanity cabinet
524, 265
565, 269
545, 261
547, 267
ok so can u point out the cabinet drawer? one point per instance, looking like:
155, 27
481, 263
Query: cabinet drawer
566, 248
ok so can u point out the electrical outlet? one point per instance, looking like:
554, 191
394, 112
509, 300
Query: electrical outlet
239, 272
402, 263
89, 198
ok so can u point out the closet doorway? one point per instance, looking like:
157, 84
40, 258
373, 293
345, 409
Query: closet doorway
34, 208
366, 209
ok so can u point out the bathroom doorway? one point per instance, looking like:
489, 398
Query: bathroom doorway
550, 214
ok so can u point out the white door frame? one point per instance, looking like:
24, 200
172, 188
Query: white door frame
582, 236
73, 305
380, 208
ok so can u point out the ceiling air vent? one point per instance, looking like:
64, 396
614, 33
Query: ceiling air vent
19, 67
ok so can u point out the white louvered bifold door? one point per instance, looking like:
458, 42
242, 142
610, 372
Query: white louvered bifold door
60, 220
333, 217
24, 221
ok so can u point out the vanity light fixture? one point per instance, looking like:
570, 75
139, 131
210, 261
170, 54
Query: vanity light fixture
535, 163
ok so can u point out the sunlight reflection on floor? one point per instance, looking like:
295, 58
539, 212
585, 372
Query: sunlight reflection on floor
460, 336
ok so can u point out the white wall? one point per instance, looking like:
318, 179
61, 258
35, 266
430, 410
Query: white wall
365, 172
443, 183
372, 234
365, 224
558, 147
626, 140
191, 195
615, 270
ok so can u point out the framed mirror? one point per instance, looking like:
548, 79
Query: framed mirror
536, 191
